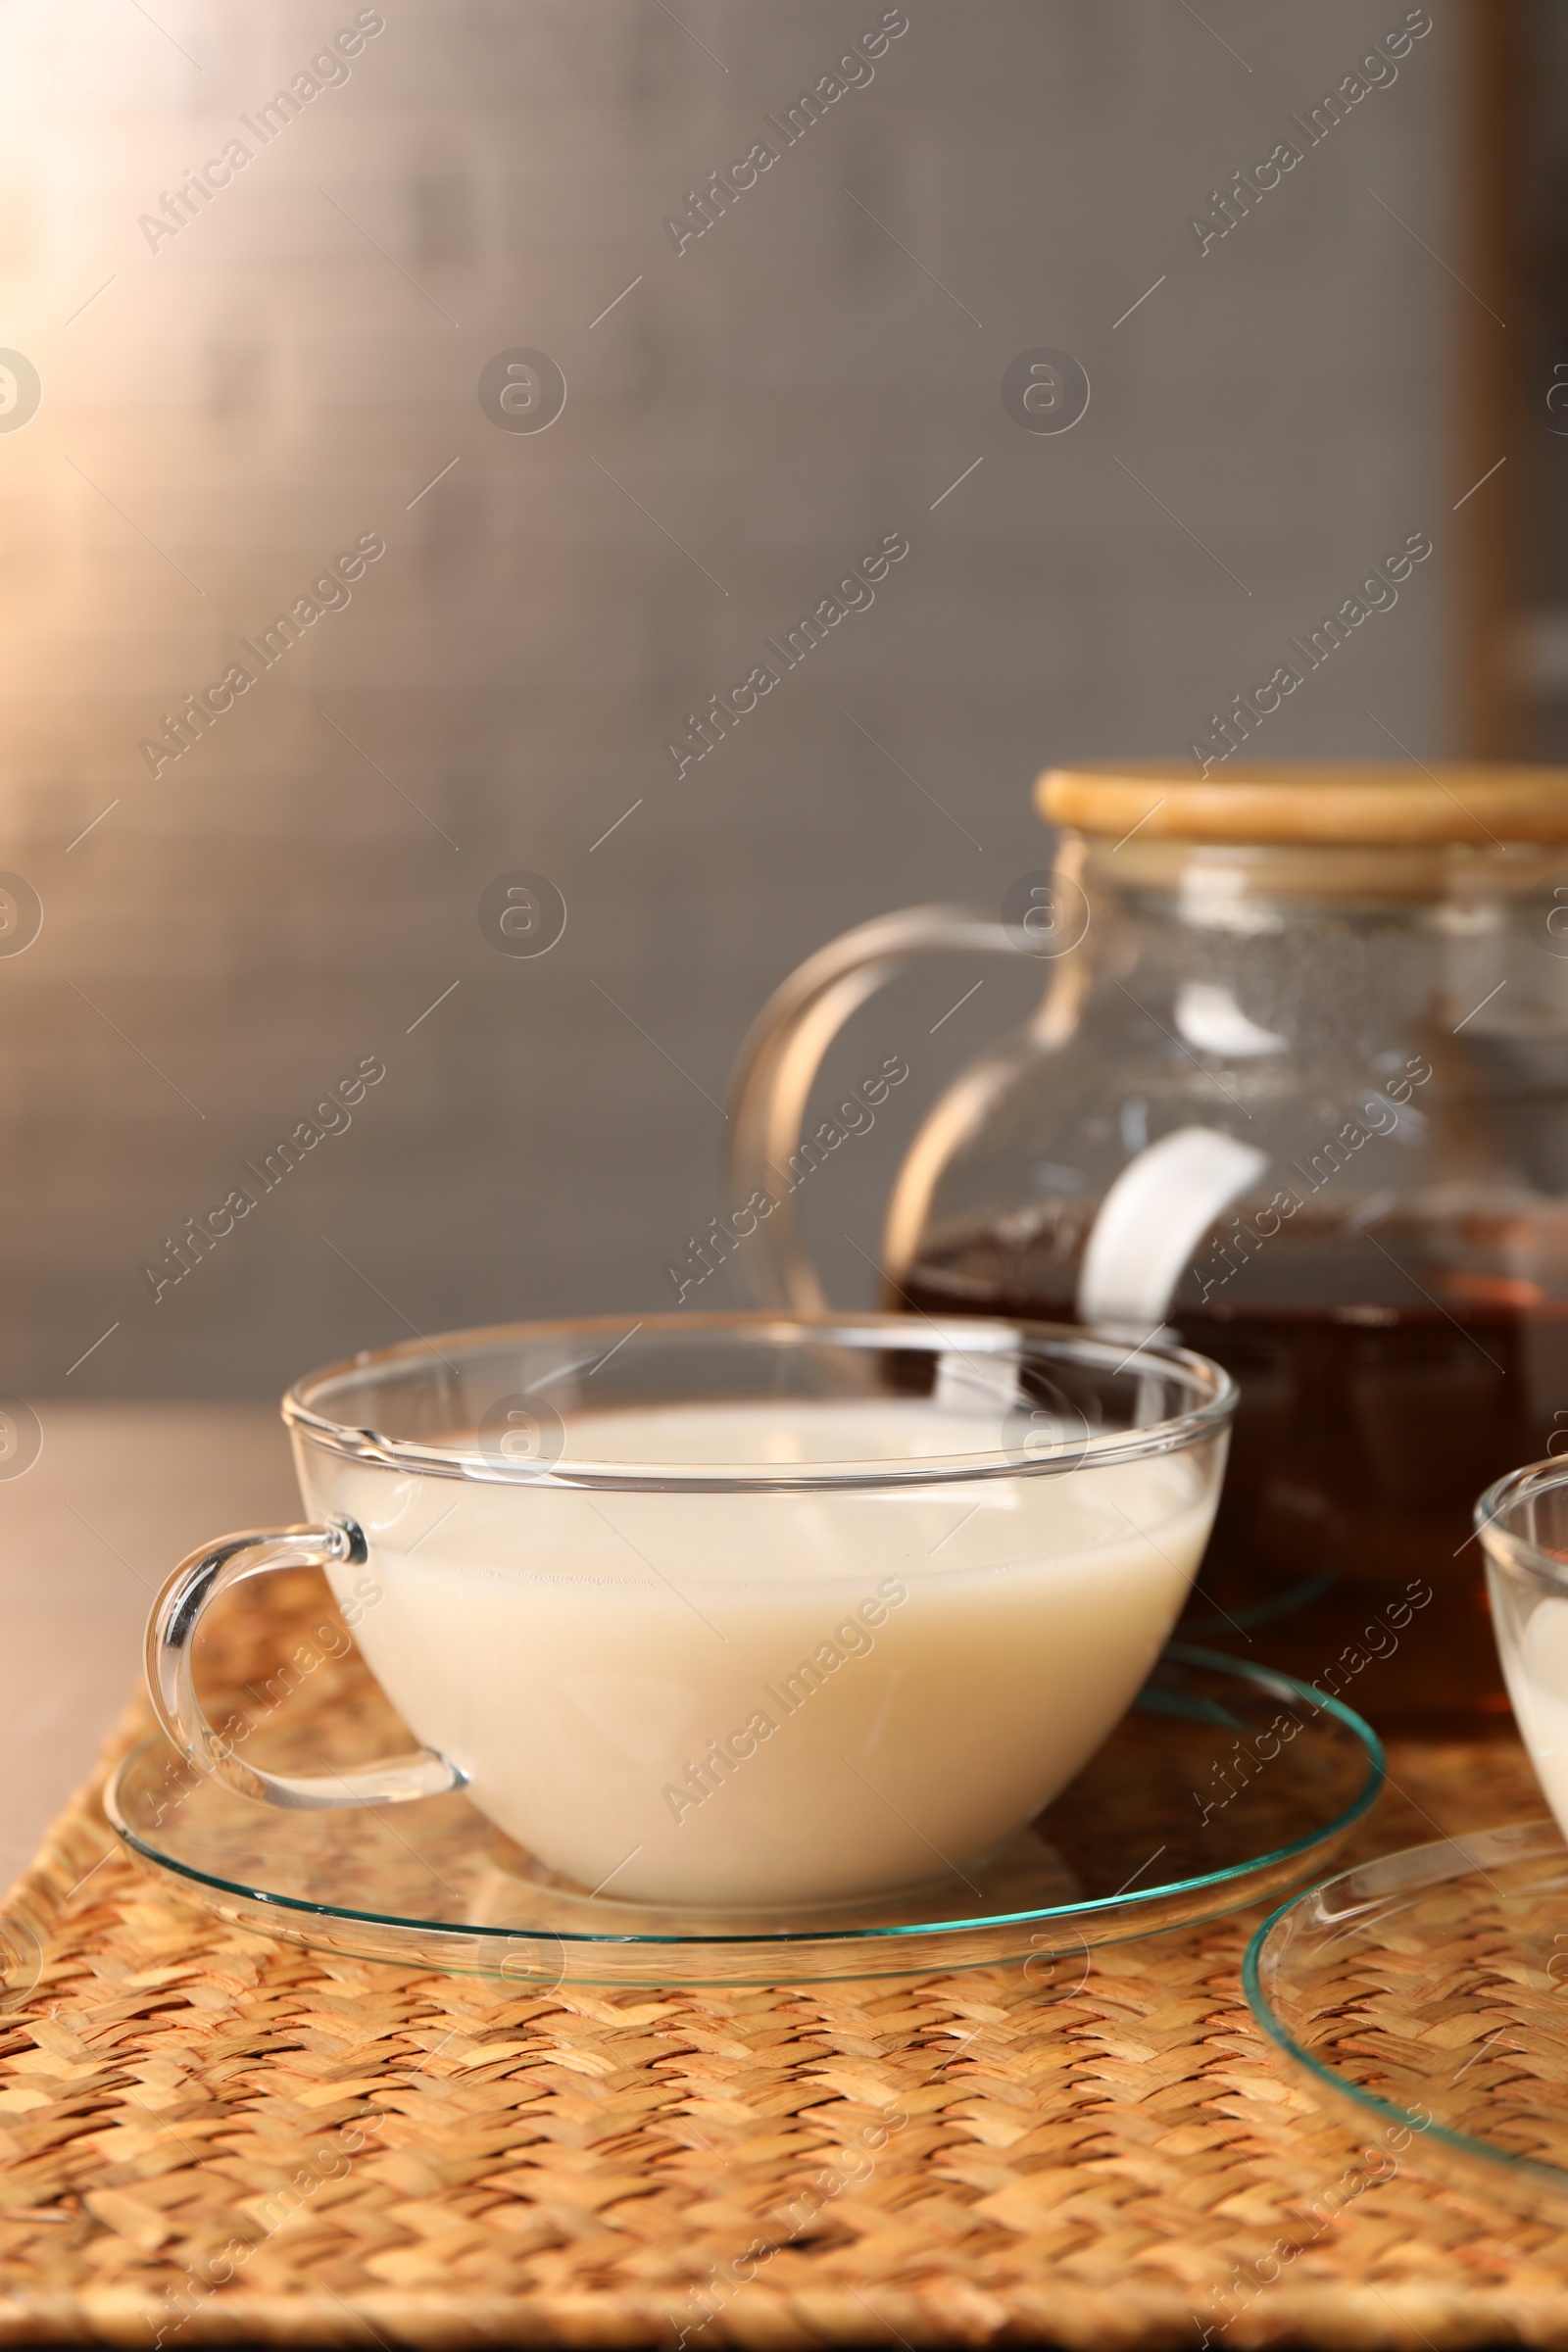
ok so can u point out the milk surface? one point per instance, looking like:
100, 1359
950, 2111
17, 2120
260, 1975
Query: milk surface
759, 1699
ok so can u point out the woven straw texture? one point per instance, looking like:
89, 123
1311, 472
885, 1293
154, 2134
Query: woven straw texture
206, 2136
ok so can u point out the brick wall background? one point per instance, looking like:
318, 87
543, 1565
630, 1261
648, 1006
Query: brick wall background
297, 363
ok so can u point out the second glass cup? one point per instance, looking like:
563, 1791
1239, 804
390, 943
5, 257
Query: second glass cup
1523, 1525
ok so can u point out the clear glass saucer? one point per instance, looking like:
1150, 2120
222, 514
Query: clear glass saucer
1225, 1783
1423, 1998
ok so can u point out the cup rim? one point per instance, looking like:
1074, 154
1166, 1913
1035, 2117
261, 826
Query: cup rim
986, 1335
1504, 1544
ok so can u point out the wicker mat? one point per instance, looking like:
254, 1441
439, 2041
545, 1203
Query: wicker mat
208, 2137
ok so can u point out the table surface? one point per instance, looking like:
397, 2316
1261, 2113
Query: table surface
940, 2160
209, 2133
119, 1494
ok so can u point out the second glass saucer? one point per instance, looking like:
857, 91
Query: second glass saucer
1423, 1997
1225, 1783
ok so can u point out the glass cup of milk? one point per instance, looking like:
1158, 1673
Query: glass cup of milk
737, 1611
1523, 1525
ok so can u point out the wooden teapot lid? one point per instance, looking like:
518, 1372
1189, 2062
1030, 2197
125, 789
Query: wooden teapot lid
1317, 803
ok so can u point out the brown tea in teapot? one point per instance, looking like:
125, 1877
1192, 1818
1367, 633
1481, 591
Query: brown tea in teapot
1385, 1380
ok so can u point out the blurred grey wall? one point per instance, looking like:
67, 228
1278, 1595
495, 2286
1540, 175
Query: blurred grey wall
291, 364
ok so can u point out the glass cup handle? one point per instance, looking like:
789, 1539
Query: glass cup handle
771, 1082
171, 1637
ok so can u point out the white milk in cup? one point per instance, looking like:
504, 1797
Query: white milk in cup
752, 1613
1523, 1525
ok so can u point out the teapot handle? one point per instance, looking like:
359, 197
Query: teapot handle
772, 1078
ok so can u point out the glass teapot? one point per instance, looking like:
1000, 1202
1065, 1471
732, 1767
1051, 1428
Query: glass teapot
1297, 1086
